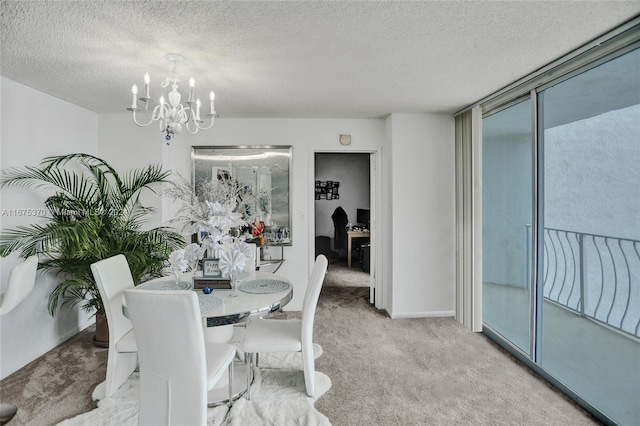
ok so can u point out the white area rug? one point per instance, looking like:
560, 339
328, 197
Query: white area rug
278, 397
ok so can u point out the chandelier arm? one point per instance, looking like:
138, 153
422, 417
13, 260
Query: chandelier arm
146, 101
159, 112
213, 117
184, 115
138, 123
191, 130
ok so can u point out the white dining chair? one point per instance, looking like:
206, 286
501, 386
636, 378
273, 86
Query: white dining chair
22, 279
177, 367
293, 335
250, 274
112, 277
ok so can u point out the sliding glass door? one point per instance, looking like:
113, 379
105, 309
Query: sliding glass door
590, 133
561, 232
506, 223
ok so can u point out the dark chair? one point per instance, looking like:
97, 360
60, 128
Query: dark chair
323, 246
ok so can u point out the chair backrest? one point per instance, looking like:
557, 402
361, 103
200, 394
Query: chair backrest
311, 296
112, 277
173, 371
22, 278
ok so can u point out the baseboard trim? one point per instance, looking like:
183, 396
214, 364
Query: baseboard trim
430, 314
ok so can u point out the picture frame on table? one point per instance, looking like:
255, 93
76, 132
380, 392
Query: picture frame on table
211, 268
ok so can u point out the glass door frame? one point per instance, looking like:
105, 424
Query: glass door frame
537, 224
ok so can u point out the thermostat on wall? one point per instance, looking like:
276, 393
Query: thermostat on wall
345, 139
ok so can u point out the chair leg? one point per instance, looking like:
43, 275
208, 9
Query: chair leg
308, 362
231, 384
257, 360
120, 365
247, 360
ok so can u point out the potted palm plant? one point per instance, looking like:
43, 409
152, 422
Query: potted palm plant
93, 213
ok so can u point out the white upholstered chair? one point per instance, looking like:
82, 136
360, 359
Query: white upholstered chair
271, 335
177, 367
112, 277
22, 279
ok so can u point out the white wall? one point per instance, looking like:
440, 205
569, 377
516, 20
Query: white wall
423, 215
34, 125
385, 217
126, 147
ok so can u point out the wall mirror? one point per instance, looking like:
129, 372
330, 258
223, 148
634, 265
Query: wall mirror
263, 174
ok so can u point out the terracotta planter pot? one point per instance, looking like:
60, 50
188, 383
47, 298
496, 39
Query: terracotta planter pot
101, 338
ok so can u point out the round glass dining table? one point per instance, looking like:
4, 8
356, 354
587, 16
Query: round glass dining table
258, 294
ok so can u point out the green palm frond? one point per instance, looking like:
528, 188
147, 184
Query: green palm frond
138, 179
94, 214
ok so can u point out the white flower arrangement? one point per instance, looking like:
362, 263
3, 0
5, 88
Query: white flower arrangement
212, 212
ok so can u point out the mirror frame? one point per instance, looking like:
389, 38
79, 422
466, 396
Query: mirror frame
259, 149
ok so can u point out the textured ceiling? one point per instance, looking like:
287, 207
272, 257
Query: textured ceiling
295, 59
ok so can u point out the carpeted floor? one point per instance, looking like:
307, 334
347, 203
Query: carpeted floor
57, 385
429, 371
339, 275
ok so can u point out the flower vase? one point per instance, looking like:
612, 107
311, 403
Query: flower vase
177, 276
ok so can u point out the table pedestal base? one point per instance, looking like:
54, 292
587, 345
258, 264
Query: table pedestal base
220, 393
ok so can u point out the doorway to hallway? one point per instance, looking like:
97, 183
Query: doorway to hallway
342, 206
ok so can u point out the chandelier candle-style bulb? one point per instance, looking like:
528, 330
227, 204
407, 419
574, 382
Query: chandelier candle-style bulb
172, 115
147, 79
192, 84
134, 93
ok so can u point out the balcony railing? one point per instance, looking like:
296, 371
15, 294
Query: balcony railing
596, 276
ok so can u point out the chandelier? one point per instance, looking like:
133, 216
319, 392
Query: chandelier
170, 113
